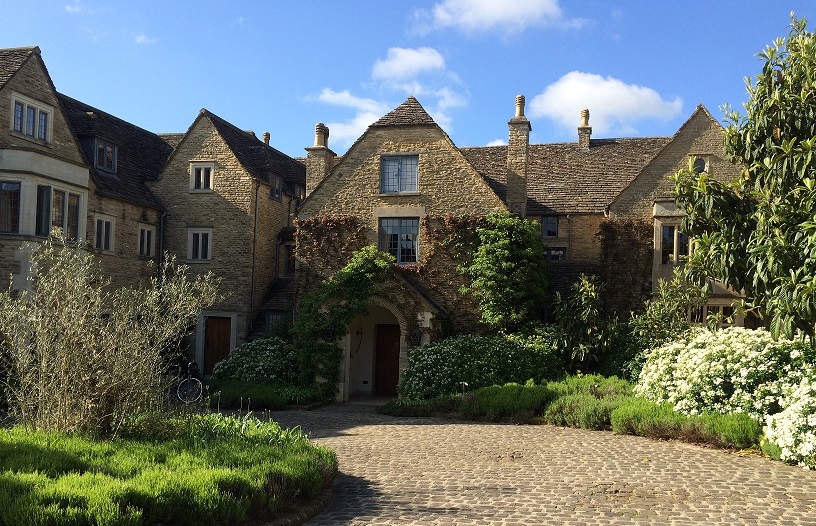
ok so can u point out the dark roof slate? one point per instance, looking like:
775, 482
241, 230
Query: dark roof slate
564, 179
409, 113
140, 154
12, 59
258, 159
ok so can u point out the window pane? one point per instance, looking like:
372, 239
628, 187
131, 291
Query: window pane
194, 250
149, 243
205, 245
682, 244
43, 227
549, 226
100, 154
408, 174
42, 129
31, 118
18, 116
667, 252
58, 212
390, 174
408, 241
205, 183
99, 234
73, 218
107, 245
109, 157
9, 208
389, 237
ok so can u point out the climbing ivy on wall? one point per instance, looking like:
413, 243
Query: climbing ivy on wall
627, 252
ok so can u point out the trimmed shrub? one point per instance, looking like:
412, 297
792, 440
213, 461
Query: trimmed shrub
266, 361
735, 430
248, 396
581, 410
510, 401
593, 384
467, 363
637, 416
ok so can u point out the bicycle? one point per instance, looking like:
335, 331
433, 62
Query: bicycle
189, 389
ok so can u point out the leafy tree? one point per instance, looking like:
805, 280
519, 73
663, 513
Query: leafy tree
758, 233
82, 358
508, 273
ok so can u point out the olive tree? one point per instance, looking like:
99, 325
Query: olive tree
757, 234
82, 357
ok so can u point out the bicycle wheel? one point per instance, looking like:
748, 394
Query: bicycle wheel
189, 390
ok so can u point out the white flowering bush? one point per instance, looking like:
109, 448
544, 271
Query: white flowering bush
738, 370
734, 370
440, 368
794, 429
265, 361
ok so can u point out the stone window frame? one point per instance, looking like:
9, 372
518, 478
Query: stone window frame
555, 253
41, 129
546, 223
60, 216
276, 188
384, 242
194, 252
104, 233
201, 187
671, 256
146, 243
6, 201
397, 186
108, 161
702, 163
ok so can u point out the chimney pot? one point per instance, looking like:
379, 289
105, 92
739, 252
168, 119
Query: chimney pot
584, 131
266, 138
250, 132
321, 135
520, 105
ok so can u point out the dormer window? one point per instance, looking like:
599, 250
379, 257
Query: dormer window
276, 191
201, 176
398, 173
105, 156
31, 119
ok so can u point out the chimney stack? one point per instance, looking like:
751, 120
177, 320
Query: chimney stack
266, 137
518, 147
319, 158
584, 131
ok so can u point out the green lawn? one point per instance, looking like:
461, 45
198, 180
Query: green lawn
195, 469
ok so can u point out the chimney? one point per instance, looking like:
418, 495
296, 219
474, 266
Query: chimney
319, 158
518, 147
266, 137
584, 131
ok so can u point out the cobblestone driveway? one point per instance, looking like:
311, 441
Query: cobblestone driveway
432, 471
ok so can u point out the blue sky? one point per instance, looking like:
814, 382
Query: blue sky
641, 67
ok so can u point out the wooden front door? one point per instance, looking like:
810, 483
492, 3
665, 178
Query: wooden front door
217, 333
386, 359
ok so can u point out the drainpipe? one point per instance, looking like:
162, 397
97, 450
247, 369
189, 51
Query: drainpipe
254, 251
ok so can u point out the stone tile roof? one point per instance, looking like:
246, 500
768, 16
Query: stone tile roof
409, 113
140, 154
258, 159
12, 59
563, 179
173, 139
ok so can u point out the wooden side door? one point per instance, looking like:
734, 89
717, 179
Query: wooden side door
386, 359
217, 333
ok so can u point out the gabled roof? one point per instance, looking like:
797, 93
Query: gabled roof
409, 113
563, 179
140, 154
11, 60
260, 160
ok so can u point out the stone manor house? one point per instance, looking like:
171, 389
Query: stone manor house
219, 198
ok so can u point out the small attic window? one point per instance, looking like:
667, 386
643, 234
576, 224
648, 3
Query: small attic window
276, 190
105, 157
700, 165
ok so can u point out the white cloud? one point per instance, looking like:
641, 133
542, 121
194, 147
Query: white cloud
76, 7
478, 16
497, 142
345, 98
614, 106
405, 63
141, 38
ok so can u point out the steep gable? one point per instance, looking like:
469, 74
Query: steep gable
447, 183
12, 59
